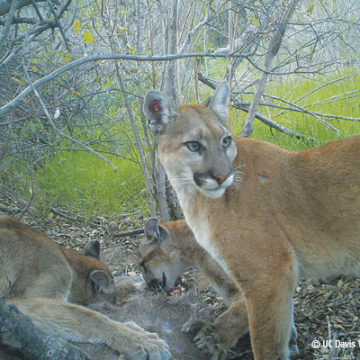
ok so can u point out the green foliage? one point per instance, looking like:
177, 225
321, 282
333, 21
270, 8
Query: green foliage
335, 98
85, 184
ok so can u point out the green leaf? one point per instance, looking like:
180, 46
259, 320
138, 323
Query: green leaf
255, 22
66, 56
310, 8
77, 26
88, 37
112, 110
109, 81
16, 79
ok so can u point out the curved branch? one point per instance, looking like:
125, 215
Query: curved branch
6, 4
8, 23
59, 131
245, 107
14, 102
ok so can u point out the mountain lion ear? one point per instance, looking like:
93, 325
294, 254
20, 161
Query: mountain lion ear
92, 248
154, 231
158, 109
103, 282
218, 102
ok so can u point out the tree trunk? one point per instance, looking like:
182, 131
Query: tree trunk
166, 198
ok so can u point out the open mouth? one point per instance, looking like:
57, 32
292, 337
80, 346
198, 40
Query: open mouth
157, 285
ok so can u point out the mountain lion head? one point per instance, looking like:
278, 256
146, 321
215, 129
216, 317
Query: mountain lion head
160, 262
195, 146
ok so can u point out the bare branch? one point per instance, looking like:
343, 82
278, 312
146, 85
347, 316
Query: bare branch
8, 23
58, 24
57, 129
274, 47
245, 107
196, 29
14, 102
144, 165
5, 5
324, 85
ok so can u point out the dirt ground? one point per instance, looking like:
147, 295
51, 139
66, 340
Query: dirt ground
322, 312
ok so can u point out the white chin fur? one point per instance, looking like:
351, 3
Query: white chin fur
218, 191
213, 194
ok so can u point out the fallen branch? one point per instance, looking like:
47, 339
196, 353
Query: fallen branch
65, 215
245, 107
128, 233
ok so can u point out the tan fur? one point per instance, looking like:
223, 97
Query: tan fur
41, 277
180, 251
292, 214
177, 250
182, 247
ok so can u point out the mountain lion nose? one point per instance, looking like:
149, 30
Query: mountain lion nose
221, 178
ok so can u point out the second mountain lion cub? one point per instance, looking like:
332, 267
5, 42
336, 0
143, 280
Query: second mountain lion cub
165, 252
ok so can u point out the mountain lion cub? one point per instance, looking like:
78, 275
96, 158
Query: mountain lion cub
41, 278
165, 252
267, 215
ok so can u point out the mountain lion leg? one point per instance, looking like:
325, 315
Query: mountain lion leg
270, 316
229, 327
78, 324
293, 348
219, 337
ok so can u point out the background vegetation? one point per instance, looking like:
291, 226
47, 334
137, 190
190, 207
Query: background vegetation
293, 65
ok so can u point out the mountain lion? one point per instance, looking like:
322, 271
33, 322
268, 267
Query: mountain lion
267, 215
41, 278
165, 252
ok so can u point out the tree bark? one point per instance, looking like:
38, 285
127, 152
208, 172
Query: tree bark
168, 198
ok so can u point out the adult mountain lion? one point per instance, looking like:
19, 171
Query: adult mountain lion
267, 215
165, 252
41, 278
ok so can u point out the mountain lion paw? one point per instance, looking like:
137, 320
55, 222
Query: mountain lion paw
144, 345
207, 340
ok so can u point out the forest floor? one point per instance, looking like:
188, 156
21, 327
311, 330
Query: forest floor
322, 312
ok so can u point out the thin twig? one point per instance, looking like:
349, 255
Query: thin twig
8, 23
128, 233
31, 198
14, 102
47, 114
58, 24
273, 49
245, 107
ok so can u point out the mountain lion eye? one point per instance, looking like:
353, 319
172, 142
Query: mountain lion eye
193, 146
226, 141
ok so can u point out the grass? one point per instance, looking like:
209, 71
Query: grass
326, 100
86, 185
83, 183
